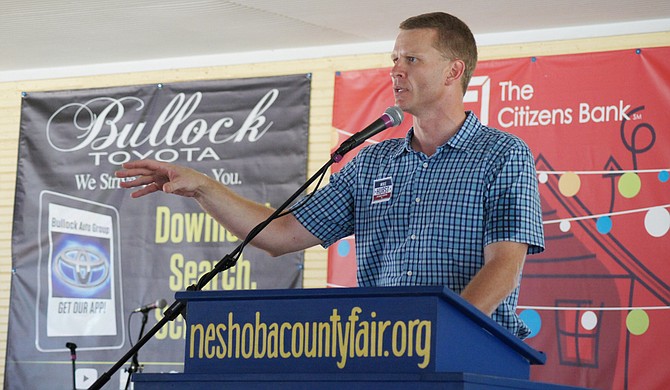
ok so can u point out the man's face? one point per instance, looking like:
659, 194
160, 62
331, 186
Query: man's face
419, 71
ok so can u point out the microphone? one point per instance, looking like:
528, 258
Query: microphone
73, 348
391, 117
159, 304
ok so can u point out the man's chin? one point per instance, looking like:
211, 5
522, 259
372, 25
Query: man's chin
407, 109
400, 103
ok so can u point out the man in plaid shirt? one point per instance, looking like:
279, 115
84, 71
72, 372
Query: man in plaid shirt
454, 203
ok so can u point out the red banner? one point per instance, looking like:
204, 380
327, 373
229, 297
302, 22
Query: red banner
598, 299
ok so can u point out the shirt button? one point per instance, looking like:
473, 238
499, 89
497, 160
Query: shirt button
413, 236
417, 200
425, 165
409, 273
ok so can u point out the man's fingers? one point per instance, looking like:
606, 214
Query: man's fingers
139, 181
138, 172
150, 189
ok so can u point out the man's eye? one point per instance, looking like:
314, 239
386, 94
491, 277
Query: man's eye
411, 59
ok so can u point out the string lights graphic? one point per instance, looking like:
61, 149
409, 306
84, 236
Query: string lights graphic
637, 319
656, 222
657, 218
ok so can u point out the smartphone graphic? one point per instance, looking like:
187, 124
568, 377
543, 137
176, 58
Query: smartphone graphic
79, 275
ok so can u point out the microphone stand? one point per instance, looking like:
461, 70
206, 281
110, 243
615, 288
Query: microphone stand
135, 364
73, 357
228, 261
392, 117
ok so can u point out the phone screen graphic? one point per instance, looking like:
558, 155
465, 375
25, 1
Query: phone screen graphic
79, 297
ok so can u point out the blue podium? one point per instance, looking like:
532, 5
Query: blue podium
390, 338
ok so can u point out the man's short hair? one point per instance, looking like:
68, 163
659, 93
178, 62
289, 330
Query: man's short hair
454, 39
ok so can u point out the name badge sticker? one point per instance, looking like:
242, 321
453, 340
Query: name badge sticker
382, 190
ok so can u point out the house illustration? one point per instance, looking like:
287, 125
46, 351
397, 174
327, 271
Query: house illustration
584, 286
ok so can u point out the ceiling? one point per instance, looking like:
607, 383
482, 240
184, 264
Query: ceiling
46, 35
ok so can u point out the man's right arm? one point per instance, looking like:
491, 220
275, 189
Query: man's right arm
237, 214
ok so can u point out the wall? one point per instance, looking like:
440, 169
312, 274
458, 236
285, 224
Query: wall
320, 136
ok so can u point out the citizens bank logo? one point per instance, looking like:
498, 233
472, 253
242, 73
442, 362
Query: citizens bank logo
81, 267
477, 97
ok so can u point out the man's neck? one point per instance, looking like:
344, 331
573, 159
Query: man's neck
431, 132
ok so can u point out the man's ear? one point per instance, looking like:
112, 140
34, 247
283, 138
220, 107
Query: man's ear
455, 71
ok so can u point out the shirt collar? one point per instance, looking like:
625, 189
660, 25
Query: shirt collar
466, 133
460, 140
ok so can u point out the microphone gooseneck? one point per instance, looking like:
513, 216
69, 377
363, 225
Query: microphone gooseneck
392, 117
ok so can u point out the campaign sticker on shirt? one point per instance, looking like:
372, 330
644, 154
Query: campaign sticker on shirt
382, 191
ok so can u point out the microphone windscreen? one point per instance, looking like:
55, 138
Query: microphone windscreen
396, 115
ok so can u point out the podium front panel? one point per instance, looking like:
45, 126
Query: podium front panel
358, 330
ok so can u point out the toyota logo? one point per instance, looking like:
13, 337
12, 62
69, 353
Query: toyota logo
81, 267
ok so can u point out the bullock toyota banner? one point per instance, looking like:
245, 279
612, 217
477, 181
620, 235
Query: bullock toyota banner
598, 299
86, 255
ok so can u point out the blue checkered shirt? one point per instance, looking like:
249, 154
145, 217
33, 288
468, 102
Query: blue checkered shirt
422, 220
